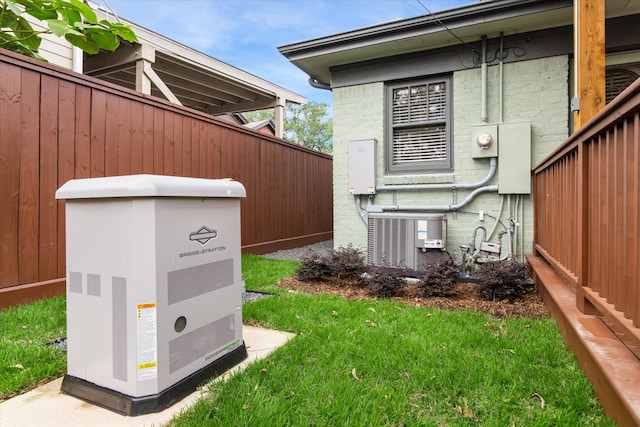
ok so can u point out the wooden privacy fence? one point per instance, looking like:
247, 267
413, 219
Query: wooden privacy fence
587, 213
57, 125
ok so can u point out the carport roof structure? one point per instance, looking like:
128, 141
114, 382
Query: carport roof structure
162, 67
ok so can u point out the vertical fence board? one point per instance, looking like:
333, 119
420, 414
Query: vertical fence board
186, 147
158, 141
123, 123
147, 139
137, 138
213, 152
630, 206
66, 162
177, 146
621, 215
111, 143
633, 269
167, 143
194, 158
10, 111
48, 177
28, 230
98, 132
83, 132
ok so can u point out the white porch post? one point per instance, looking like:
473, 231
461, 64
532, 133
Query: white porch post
143, 82
279, 116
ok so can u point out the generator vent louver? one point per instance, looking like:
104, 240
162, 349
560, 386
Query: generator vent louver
405, 240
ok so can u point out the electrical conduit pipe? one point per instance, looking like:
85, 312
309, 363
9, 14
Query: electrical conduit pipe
450, 186
434, 208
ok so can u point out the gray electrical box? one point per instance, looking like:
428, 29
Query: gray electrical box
484, 141
154, 289
514, 158
362, 166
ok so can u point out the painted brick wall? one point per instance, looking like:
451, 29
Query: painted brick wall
535, 91
358, 113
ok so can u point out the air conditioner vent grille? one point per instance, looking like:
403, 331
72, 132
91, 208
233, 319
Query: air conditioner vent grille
398, 240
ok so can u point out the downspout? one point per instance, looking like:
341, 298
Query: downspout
77, 60
318, 85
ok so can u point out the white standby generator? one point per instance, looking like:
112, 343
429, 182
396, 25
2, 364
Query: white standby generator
154, 288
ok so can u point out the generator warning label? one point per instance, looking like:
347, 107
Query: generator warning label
146, 322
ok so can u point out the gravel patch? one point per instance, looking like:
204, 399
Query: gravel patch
298, 253
288, 254
250, 296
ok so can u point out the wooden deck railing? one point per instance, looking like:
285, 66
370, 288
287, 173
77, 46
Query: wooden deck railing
56, 125
587, 213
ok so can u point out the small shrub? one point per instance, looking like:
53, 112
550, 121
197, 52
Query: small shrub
500, 280
439, 278
346, 263
386, 282
313, 267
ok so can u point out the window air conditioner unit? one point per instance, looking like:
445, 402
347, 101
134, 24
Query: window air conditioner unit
405, 239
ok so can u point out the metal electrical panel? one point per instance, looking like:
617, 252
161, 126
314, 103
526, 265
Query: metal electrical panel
514, 158
484, 141
362, 166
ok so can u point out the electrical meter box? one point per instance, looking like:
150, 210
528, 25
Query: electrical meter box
154, 288
362, 166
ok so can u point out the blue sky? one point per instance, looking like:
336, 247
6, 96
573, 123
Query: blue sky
246, 33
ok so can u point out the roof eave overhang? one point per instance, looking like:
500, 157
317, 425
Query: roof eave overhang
316, 57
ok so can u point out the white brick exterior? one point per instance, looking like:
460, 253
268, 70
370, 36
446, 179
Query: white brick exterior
535, 91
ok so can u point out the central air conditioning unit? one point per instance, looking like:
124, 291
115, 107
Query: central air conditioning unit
405, 239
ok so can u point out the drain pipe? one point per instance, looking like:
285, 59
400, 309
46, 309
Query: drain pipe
77, 56
483, 78
435, 208
468, 186
360, 210
501, 78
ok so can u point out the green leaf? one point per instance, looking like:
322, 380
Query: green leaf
39, 10
10, 21
83, 26
57, 27
70, 16
28, 36
121, 30
10, 43
88, 13
73, 19
104, 39
82, 42
12, 8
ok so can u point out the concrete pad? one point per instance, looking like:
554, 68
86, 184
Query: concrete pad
47, 406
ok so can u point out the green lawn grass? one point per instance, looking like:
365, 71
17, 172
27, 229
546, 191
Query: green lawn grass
356, 363
25, 358
376, 362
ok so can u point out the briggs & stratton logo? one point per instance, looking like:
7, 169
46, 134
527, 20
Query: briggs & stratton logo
203, 235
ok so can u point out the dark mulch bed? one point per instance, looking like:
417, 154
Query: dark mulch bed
464, 297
